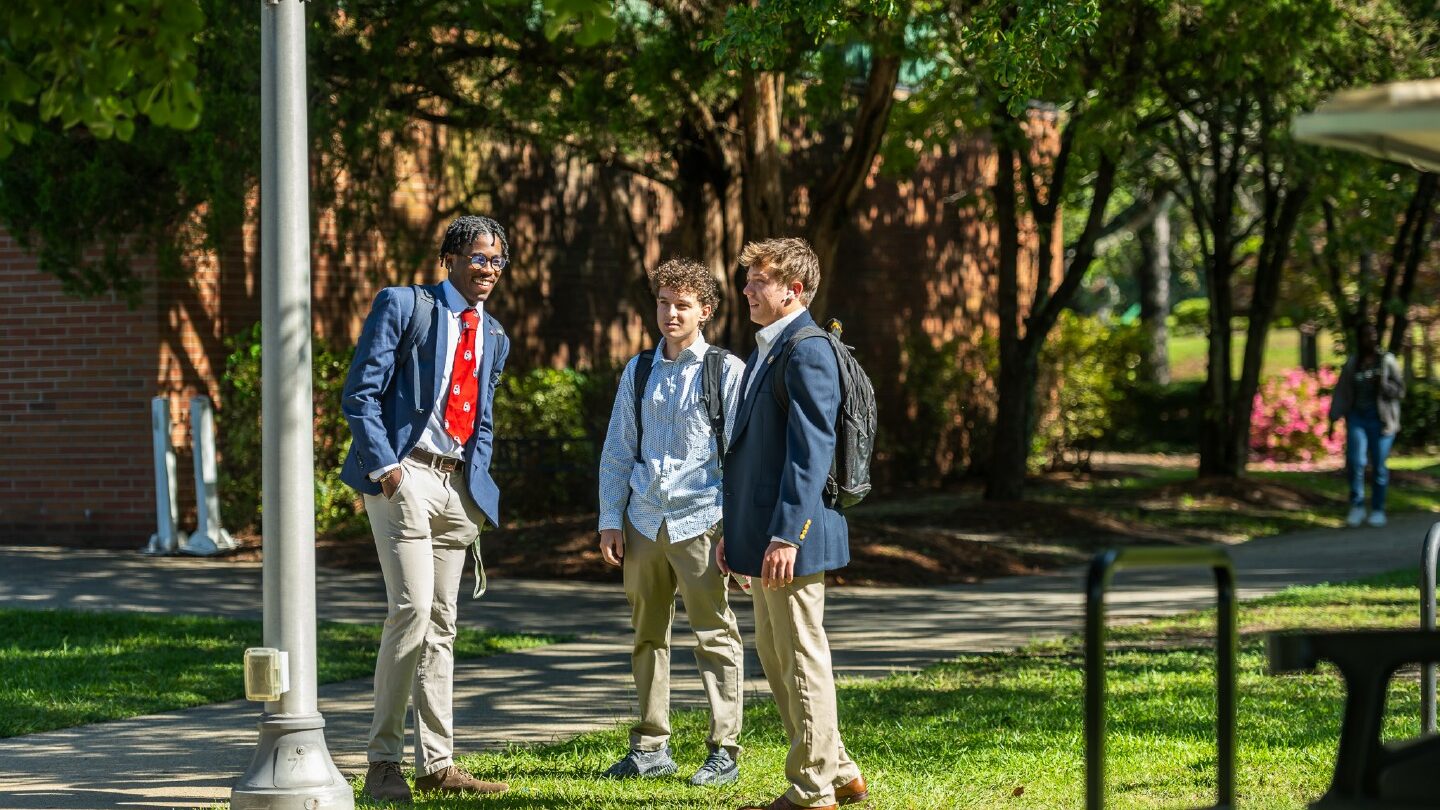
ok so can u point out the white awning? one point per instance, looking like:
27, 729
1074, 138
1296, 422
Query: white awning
1399, 122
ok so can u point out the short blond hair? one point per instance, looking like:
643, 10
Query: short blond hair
785, 260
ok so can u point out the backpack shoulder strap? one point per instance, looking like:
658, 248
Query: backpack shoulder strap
712, 387
421, 316
782, 394
640, 379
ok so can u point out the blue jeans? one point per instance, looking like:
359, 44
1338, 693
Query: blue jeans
1364, 442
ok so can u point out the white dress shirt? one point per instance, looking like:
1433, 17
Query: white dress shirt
450, 305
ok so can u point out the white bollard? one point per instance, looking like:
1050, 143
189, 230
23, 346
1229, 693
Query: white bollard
209, 537
167, 537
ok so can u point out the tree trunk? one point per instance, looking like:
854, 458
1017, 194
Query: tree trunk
1154, 273
1005, 478
835, 196
1010, 452
1217, 455
1309, 347
711, 231
760, 103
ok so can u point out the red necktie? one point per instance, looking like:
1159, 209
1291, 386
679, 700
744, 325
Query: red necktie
464, 382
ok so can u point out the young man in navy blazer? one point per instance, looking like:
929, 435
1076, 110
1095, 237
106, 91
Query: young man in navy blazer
779, 527
422, 427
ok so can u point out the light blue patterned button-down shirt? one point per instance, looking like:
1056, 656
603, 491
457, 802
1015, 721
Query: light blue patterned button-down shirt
678, 481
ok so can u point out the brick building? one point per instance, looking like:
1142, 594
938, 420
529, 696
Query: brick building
913, 285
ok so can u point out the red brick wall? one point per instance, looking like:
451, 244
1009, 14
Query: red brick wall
75, 386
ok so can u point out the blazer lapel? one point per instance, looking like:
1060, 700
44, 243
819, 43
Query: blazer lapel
487, 357
758, 372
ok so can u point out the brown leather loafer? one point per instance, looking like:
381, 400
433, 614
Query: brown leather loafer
456, 780
385, 783
782, 803
852, 792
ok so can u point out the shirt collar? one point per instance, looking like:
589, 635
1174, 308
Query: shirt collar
455, 302
769, 334
695, 350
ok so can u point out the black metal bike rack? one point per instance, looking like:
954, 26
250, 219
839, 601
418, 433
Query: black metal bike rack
1429, 556
1102, 569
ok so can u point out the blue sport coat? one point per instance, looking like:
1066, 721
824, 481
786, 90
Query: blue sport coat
386, 412
775, 469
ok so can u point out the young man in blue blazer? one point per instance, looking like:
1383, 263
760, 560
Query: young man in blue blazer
780, 529
421, 419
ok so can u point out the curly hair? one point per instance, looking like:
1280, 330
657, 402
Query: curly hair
465, 230
687, 276
786, 260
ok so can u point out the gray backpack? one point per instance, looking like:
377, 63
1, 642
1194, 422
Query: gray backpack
849, 479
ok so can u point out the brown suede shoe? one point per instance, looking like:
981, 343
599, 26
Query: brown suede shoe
385, 783
456, 780
852, 792
782, 803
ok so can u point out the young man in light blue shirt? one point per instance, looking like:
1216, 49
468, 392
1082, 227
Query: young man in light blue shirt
660, 513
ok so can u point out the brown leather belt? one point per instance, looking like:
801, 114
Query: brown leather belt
444, 464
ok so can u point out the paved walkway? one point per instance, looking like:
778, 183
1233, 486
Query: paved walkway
190, 758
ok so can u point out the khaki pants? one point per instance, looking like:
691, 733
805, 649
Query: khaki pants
422, 534
790, 640
655, 570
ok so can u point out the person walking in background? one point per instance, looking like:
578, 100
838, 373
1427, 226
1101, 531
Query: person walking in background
660, 519
780, 527
419, 399
1367, 396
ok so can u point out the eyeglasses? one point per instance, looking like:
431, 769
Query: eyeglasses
480, 260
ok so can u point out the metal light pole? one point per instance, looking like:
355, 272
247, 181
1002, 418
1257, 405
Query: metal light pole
291, 767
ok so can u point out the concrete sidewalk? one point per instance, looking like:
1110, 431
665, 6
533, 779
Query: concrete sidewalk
190, 758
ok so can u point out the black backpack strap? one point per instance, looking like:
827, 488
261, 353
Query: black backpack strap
782, 394
644, 364
712, 387
422, 315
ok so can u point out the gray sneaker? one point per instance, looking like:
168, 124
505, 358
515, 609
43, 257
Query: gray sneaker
719, 769
642, 764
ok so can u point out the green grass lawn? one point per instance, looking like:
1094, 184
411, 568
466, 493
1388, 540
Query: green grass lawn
1414, 487
1282, 351
68, 668
1006, 730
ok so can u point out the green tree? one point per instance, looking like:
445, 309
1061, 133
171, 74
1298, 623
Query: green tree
1235, 72
99, 66
1062, 91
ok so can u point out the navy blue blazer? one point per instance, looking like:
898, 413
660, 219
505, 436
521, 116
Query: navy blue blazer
387, 415
775, 470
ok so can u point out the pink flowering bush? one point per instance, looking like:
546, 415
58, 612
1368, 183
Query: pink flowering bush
1290, 418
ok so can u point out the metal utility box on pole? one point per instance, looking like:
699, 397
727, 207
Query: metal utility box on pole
291, 767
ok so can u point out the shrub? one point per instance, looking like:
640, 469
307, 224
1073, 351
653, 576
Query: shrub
1291, 416
1150, 417
337, 508
929, 431
1190, 317
1420, 416
547, 449
1085, 366
549, 424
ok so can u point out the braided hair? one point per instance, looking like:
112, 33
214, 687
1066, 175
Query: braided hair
465, 230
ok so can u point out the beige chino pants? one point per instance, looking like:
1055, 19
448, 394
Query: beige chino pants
654, 571
421, 534
790, 640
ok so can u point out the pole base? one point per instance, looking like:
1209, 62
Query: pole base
200, 544
292, 769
